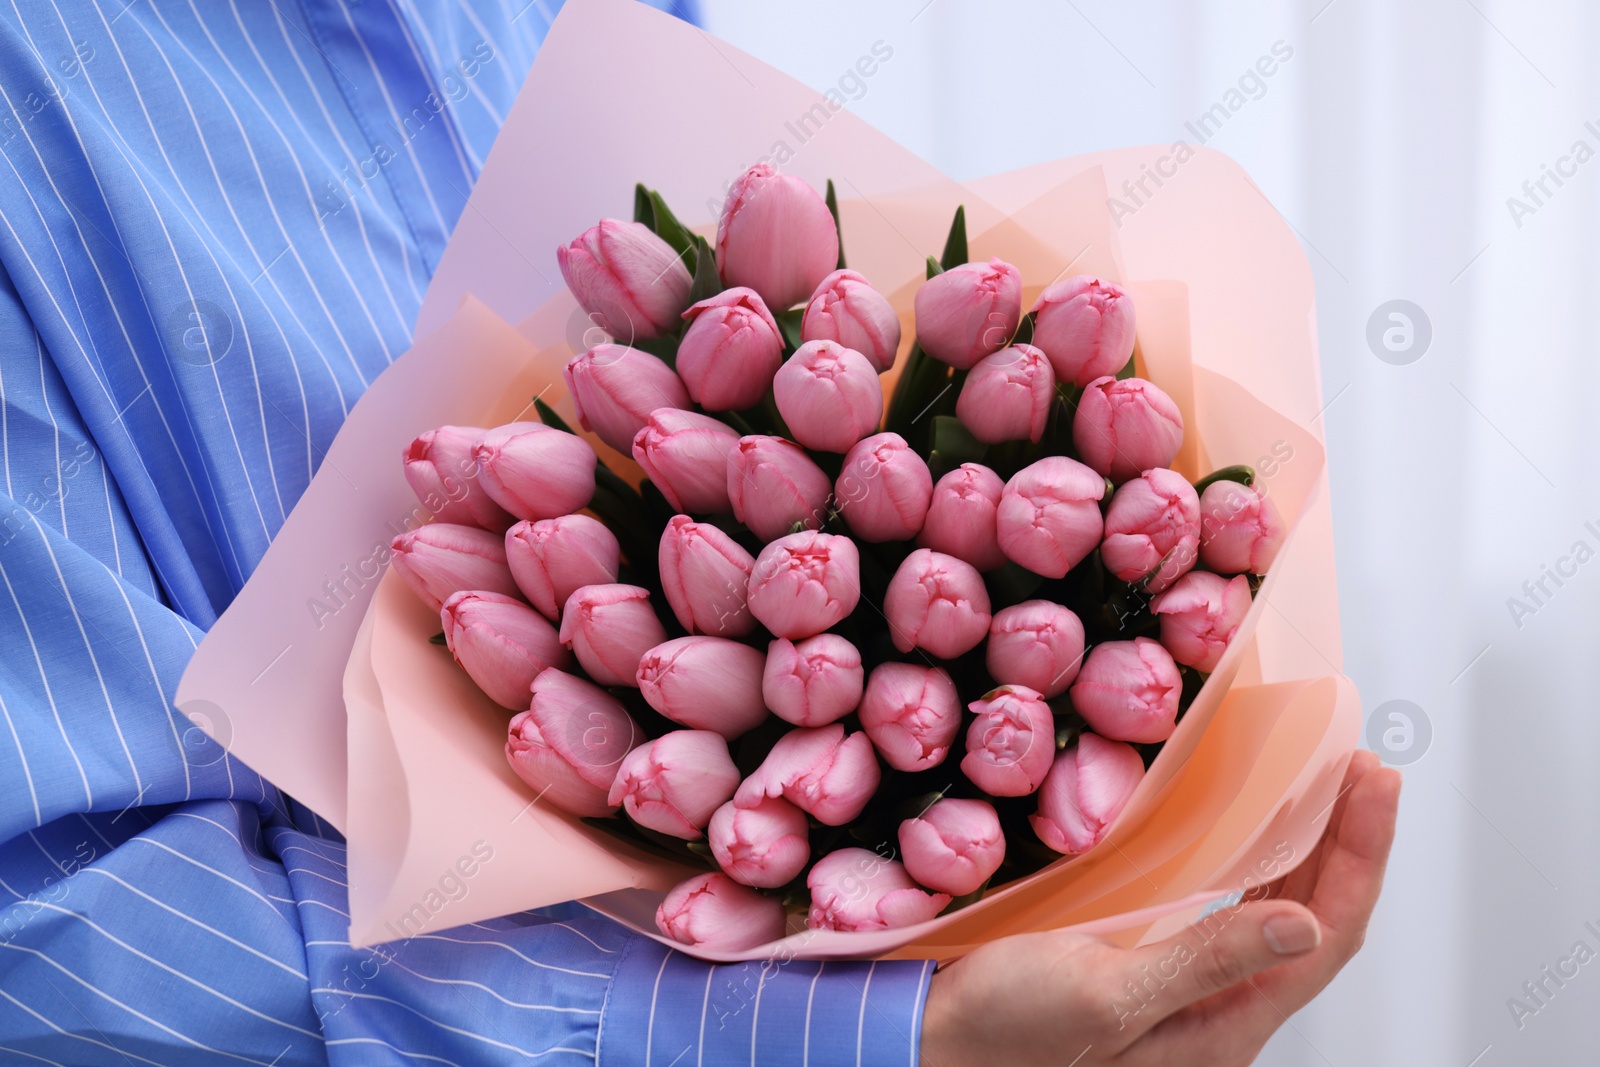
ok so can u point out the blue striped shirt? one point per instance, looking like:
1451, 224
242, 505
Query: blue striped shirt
217, 221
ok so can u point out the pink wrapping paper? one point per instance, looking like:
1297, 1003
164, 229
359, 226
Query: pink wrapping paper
409, 762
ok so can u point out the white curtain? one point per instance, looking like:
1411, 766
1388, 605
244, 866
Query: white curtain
1393, 139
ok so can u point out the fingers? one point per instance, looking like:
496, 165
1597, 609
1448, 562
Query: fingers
1356, 854
1210, 957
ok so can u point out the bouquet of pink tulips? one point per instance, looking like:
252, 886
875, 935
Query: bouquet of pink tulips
863, 657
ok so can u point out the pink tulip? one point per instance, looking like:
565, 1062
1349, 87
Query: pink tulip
1011, 742
1007, 396
804, 583
1049, 515
706, 576
912, 714
552, 557
615, 388
686, 456
764, 846
712, 911
1152, 529
814, 682
856, 889
968, 311
821, 771
570, 742
534, 471
1126, 427
501, 643
954, 846
1086, 790
1037, 643
674, 783
609, 627
1085, 325
773, 484
961, 517
847, 309
1129, 690
937, 603
628, 278
1240, 529
730, 351
828, 395
776, 235
442, 472
442, 558
883, 489
705, 683
1200, 615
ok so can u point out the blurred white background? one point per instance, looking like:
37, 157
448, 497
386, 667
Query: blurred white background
1391, 140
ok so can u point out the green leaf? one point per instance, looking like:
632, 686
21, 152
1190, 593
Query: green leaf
953, 445
706, 281
437, 639
548, 416
1242, 473
955, 245
1128, 370
670, 230
643, 210
833, 209
934, 269
789, 323
1024, 334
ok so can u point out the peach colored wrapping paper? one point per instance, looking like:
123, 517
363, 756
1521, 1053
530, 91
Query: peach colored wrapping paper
1226, 326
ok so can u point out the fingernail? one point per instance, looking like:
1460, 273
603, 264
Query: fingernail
1291, 935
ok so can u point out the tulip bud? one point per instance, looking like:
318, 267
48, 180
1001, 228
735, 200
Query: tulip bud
1129, 690
937, 603
615, 388
961, 517
441, 559
912, 714
1123, 428
857, 889
552, 557
812, 683
534, 471
821, 771
1199, 616
968, 312
847, 309
1152, 529
883, 489
501, 643
712, 911
674, 783
442, 472
706, 577
1240, 530
954, 846
1007, 396
829, 396
1085, 326
1011, 742
1049, 515
570, 742
764, 846
1037, 643
686, 456
776, 235
705, 683
730, 351
1086, 790
773, 484
629, 279
609, 627
804, 583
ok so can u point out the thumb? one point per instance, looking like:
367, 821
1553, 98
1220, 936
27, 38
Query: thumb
1211, 955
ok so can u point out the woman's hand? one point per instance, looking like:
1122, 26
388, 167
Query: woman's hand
1207, 996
